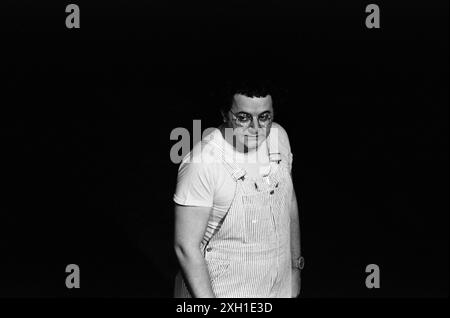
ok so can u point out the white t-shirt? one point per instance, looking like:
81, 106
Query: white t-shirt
203, 179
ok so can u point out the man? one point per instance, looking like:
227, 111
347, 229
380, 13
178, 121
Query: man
236, 215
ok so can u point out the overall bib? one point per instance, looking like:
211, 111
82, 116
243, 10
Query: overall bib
249, 256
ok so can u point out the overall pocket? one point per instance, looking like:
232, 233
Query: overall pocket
259, 225
217, 266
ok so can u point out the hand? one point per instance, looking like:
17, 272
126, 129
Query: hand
296, 282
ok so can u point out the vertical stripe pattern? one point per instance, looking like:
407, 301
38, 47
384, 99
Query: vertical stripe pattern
249, 256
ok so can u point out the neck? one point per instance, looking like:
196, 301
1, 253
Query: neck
232, 141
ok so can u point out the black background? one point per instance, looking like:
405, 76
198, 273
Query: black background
86, 116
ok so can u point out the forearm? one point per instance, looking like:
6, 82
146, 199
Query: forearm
295, 230
195, 272
295, 247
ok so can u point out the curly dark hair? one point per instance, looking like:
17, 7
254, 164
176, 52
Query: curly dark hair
250, 87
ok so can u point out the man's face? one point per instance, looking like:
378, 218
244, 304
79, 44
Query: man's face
250, 134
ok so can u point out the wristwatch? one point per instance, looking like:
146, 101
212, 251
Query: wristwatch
298, 263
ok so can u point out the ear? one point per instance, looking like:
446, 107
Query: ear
224, 116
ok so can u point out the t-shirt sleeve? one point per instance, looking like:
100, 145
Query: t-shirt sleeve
195, 185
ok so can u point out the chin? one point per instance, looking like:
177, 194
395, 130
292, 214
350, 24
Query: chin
253, 144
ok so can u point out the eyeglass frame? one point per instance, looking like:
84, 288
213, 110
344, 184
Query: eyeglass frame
259, 123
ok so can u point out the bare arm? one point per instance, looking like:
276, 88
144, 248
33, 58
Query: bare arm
295, 244
295, 229
190, 226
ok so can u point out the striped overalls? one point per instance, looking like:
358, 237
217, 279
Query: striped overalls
249, 256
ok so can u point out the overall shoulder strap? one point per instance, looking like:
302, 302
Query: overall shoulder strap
235, 171
272, 146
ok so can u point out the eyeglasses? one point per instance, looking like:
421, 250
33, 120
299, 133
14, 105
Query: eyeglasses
244, 119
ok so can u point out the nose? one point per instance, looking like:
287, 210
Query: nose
254, 125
